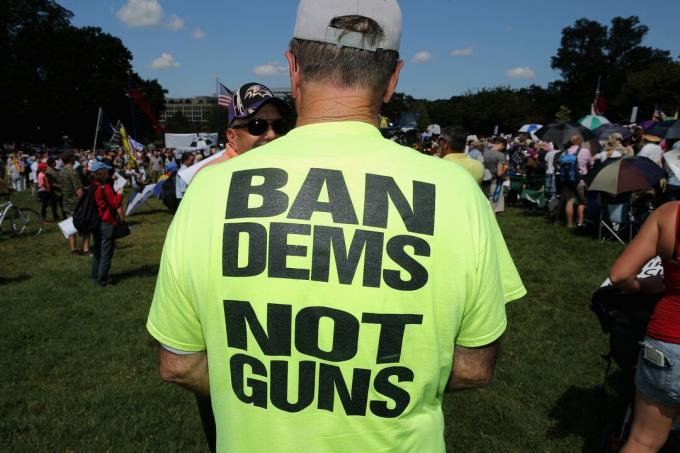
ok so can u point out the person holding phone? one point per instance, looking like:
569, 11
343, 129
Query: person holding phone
657, 399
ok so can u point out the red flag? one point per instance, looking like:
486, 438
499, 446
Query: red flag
600, 103
139, 99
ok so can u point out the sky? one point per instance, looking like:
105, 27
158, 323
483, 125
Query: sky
450, 46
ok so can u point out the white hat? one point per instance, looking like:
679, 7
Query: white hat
314, 19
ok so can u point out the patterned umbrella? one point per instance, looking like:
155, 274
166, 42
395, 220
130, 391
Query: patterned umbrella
592, 122
619, 176
530, 128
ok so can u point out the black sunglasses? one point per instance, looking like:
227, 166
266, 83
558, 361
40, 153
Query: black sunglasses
260, 126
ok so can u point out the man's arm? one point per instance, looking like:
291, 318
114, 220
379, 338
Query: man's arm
188, 370
473, 367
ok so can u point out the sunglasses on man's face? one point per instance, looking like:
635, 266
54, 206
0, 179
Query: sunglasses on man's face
260, 126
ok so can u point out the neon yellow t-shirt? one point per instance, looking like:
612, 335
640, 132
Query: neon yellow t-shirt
474, 167
329, 275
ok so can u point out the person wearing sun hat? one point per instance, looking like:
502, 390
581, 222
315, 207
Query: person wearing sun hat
317, 301
108, 202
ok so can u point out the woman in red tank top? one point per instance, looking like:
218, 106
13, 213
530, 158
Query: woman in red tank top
657, 399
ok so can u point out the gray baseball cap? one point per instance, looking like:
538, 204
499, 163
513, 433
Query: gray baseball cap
314, 18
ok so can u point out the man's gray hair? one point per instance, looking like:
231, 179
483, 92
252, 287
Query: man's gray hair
347, 66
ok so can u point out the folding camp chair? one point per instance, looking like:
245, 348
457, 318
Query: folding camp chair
616, 216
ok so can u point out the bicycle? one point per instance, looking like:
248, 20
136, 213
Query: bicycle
17, 221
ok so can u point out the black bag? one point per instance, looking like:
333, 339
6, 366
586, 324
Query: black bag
121, 229
86, 216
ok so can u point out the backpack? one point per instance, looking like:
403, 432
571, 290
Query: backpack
86, 215
568, 165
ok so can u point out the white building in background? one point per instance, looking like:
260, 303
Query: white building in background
196, 109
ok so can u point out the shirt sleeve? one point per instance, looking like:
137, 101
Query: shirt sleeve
497, 282
173, 319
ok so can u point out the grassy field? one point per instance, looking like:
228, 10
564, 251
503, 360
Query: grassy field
79, 370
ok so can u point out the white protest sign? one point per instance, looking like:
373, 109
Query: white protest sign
652, 269
119, 183
187, 174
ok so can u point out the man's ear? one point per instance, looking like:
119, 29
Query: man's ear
394, 81
294, 71
231, 139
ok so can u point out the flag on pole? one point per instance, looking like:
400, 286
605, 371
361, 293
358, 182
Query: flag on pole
600, 103
132, 162
225, 98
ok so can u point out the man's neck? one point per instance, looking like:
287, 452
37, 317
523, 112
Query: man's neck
324, 103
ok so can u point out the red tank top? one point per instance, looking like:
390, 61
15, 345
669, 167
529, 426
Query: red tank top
665, 322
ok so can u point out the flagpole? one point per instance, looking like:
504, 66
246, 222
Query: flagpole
96, 131
132, 109
217, 106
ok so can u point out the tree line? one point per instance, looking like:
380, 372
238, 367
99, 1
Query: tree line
57, 75
630, 74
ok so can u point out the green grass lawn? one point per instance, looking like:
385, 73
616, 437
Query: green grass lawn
79, 370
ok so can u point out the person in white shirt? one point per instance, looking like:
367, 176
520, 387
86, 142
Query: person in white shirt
550, 186
651, 149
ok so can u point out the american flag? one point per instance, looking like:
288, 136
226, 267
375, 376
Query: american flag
225, 98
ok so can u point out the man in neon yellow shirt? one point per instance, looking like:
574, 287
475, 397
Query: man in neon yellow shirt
452, 148
319, 286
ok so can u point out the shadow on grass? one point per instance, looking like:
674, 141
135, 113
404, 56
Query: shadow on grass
588, 413
17, 279
148, 270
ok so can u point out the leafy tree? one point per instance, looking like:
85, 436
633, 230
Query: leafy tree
563, 114
57, 76
590, 50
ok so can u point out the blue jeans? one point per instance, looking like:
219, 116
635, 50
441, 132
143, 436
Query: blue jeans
660, 383
102, 253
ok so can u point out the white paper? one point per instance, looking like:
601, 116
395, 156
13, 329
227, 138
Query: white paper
119, 183
67, 228
187, 174
672, 159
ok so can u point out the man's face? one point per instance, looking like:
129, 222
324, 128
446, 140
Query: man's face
190, 161
242, 141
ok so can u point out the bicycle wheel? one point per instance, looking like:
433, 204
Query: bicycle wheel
27, 221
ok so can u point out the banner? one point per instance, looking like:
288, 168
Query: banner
191, 142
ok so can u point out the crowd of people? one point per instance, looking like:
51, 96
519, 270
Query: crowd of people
560, 171
222, 274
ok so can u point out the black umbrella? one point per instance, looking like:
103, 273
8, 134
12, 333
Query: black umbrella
561, 133
660, 128
673, 131
603, 132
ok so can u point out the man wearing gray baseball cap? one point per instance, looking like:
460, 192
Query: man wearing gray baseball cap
336, 284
